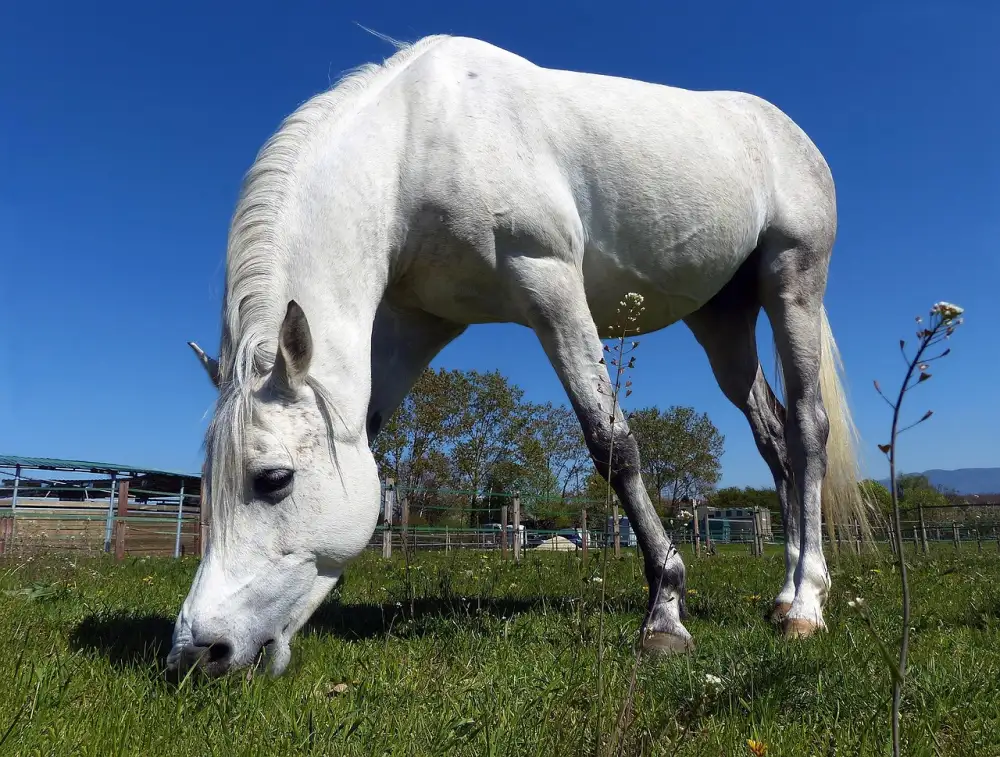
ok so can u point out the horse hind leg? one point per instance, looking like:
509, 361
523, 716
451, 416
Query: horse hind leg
726, 329
793, 282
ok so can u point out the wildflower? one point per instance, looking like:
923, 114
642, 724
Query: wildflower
633, 300
757, 748
713, 684
856, 602
147, 580
692, 592
597, 580
753, 598
947, 311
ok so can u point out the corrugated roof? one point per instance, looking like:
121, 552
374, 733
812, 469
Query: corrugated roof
48, 463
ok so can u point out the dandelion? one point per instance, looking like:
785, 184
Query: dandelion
147, 580
692, 592
757, 748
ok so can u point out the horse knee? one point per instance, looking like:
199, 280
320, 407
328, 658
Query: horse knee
615, 452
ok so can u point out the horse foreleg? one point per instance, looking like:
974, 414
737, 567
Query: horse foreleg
555, 306
403, 344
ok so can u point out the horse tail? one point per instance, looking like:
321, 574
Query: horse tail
845, 505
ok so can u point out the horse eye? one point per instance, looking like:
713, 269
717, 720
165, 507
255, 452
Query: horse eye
271, 482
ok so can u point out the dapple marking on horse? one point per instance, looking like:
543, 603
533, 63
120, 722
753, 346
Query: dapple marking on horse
457, 184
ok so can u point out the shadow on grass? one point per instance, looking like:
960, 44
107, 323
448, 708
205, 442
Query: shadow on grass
125, 639
366, 621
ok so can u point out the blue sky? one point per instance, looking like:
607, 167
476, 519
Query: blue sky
125, 129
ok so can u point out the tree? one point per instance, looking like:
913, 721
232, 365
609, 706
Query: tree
410, 448
680, 451
491, 426
554, 449
734, 497
916, 493
878, 495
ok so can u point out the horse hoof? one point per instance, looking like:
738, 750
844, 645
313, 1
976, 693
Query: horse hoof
799, 628
780, 611
667, 643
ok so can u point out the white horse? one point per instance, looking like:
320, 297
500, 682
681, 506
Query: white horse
456, 184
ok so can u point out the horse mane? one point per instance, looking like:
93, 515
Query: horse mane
256, 262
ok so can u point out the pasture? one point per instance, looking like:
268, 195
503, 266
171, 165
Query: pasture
473, 656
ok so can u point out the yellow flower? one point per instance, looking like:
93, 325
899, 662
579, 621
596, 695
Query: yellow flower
757, 748
147, 580
692, 592
753, 598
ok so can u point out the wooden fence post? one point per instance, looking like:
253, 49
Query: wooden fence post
204, 518
404, 522
697, 534
503, 532
954, 533
759, 523
447, 539
120, 524
923, 529
388, 501
517, 526
585, 538
617, 533
979, 541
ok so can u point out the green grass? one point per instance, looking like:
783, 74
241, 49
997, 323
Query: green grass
498, 659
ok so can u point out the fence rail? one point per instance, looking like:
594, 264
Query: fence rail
145, 522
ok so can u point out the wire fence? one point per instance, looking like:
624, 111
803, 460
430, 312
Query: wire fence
136, 521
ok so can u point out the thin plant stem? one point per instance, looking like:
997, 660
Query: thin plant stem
620, 368
943, 326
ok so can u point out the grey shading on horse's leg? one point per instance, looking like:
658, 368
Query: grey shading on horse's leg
404, 341
793, 284
726, 329
555, 306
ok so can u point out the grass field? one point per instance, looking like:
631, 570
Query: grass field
495, 659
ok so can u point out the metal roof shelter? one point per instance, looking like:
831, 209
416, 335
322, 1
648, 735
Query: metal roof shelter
81, 466
145, 483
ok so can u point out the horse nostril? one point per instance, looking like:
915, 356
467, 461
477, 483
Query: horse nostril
219, 651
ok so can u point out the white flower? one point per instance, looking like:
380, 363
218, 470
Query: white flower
856, 602
947, 311
632, 300
713, 684
597, 580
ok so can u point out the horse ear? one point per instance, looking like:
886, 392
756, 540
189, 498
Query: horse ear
295, 349
211, 364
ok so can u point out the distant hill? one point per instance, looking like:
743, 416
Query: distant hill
964, 480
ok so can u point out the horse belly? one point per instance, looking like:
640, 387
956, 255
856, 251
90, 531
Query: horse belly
675, 255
